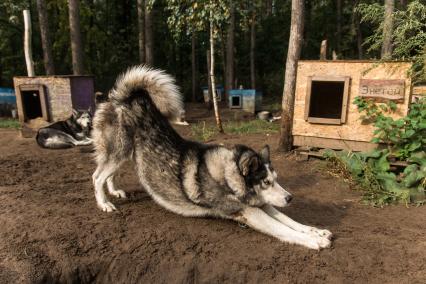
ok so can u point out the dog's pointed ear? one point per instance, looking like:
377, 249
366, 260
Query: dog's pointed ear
265, 154
75, 113
249, 163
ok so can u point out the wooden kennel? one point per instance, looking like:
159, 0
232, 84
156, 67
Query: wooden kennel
44, 99
324, 113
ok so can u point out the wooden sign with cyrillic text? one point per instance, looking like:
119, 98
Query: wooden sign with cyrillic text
382, 89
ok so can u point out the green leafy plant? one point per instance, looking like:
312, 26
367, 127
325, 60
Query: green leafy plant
404, 140
403, 136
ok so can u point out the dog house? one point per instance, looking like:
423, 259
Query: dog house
219, 93
324, 113
248, 100
51, 98
7, 102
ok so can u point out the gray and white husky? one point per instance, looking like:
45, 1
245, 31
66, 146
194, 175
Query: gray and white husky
75, 131
186, 177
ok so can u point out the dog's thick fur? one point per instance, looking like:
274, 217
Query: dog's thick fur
186, 177
75, 131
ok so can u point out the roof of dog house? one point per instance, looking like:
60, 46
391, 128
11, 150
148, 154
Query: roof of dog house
324, 113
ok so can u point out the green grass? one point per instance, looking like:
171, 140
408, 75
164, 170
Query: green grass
203, 132
9, 123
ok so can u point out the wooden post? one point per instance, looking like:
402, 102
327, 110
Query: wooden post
323, 50
27, 44
212, 79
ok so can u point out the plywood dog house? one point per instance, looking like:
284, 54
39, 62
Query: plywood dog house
324, 115
248, 100
52, 98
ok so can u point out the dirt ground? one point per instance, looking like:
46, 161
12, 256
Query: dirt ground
52, 231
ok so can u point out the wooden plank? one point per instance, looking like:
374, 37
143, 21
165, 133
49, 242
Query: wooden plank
308, 97
329, 78
419, 90
382, 89
345, 100
321, 120
323, 50
336, 144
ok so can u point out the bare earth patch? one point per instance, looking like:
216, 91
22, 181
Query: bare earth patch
51, 230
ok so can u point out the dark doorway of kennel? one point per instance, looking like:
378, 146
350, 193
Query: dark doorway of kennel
32, 99
236, 101
327, 99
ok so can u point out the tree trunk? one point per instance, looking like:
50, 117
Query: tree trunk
149, 40
194, 67
230, 43
403, 4
339, 26
268, 4
252, 51
27, 44
293, 55
388, 29
76, 46
212, 78
46, 43
141, 30
359, 36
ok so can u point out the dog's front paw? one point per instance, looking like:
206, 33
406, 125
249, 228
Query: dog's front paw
107, 206
118, 193
324, 243
321, 233
317, 243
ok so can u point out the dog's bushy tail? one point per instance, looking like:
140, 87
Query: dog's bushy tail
160, 86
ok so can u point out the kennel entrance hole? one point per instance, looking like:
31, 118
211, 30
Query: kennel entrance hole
32, 104
236, 101
326, 100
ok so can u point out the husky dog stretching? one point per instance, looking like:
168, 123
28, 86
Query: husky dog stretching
186, 177
74, 131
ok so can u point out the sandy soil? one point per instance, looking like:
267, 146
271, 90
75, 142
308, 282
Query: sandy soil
51, 230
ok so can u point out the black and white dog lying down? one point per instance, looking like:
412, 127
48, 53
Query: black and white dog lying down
75, 131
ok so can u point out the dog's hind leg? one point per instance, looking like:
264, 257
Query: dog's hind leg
112, 190
274, 213
102, 173
258, 219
